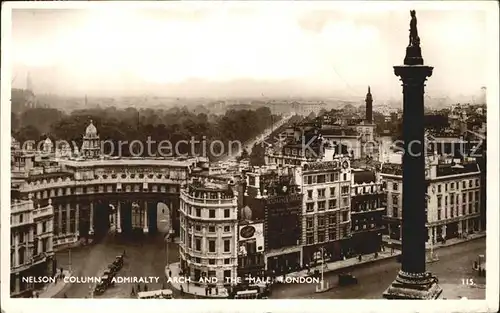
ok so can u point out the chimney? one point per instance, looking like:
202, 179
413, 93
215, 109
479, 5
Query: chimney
369, 106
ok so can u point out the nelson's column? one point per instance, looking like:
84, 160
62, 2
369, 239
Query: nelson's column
413, 281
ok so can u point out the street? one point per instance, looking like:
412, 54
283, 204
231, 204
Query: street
454, 264
145, 256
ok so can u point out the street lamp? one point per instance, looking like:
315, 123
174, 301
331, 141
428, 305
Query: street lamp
323, 286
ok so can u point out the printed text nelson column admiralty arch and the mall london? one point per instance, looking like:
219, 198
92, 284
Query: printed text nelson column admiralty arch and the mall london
247, 176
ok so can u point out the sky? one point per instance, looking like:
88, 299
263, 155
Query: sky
249, 49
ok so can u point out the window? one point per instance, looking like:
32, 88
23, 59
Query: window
211, 213
332, 220
309, 207
227, 261
439, 200
334, 177
464, 197
309, 180
211, 229
471, 196
309, 194
345, 216
321, 193
321, 205
227, 245
452, 186
226, 213
227, 229
470, 207
197, 244
445, 200
198, 212
345, 176
345, 201
476, 195
44, 227
211, 262
395, 212
321, 221
332, 233
439, 188
395, 201
463, 209
332, 203
227, 275
345, 190
395, 186
445, 187
310, 239
477, 182
321, 179
309, 222
332, 192
452, 199
197, 227
438, 214
321, 237
464, 184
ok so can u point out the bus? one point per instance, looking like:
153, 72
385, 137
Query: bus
247, 294
155, 294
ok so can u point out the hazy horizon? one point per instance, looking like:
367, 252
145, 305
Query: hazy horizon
231, 50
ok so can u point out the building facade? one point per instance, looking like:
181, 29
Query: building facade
326, 202
453, 199
209, 232
273, 196
32, 252
368, 205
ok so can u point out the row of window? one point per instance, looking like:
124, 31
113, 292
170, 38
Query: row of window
327, 235
210, 228
470, 183
323, 178
211, 246
365, 189
454, 211
473, 196
327, 220
104, 188
331, 204
211, 212
321, 192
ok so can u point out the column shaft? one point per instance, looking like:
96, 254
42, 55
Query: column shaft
91, 228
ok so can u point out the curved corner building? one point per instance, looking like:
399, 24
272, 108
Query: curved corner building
208, 232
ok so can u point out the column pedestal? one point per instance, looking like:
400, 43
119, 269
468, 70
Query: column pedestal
414, 286
119, 218
145, 229
91, 228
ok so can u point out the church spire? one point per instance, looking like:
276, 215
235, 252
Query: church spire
369, 106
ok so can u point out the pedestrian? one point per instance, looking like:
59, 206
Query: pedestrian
133, 291
182, 290
216, 291
138, 287
206, 291
145, 287
359, 258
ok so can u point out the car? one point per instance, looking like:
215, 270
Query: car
346, 279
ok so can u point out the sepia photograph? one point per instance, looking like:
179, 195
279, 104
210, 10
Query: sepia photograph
272, 150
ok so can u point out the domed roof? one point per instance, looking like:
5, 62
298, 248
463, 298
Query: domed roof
91, 129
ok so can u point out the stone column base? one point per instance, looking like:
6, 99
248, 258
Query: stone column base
145, 230
119, 230
91, 232
414, 286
